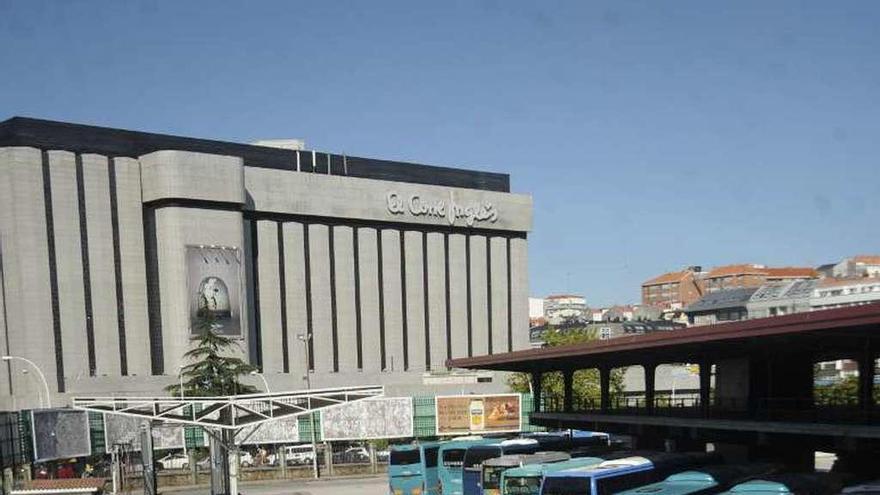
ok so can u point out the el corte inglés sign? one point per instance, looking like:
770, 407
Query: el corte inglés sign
418, 206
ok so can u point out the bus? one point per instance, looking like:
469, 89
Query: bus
475, 455
527, 480
451, 460
493, 469
710, 479
621, 474
790, 484
412, 469
568, 440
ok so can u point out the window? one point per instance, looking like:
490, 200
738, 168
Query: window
566, 486
431, 456
615, 484
405, 457
453, 458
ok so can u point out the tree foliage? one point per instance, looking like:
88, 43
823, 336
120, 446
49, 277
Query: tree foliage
211, 370
839, 393
585, 383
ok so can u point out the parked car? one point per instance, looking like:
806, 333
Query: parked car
246, 459
174, 461
298, 455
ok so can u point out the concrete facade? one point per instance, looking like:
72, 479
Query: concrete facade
390, 275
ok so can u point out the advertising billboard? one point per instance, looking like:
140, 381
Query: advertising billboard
465, 414
60, 434
125, 430
390, 417
214, 288
285, 430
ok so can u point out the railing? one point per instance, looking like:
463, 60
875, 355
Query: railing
690, 406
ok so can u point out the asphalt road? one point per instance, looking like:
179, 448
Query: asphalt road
341, 486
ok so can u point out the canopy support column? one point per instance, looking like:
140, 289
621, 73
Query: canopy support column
568, 390
650, 374
604, 388
535, 385
705, 387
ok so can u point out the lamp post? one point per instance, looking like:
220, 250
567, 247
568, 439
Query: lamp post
39, 372
305, 338
265, 383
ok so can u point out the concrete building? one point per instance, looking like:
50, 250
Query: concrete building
673, 290
720, 306
857, 266
561, 308
113, 242
837, 293
777, 299
751, 275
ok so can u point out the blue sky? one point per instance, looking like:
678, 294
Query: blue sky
652, 135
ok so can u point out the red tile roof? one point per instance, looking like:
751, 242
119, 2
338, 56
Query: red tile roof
667, 278
791, 272
867, 259
750, 269
738, 269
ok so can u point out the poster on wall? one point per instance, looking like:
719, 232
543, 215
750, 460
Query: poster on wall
214, 288
284, 430
366, 419
60, 434
464, 414
125, 430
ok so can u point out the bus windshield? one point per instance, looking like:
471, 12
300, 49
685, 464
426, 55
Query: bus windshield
431, 456
405, 457
474, 457
522, 485
566, 486
453, 458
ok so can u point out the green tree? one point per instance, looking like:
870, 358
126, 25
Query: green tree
211, 370
585, 383
842, 392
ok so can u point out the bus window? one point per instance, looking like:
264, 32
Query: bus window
615, 484
405, 457
431, 456
453, 458
522, 485
566, 486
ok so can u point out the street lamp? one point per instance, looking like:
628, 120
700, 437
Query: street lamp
39, 372
305, 338
265, 383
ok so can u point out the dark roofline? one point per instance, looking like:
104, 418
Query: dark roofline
723, 334
79, 138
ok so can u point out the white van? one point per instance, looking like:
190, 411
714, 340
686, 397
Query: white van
299, 454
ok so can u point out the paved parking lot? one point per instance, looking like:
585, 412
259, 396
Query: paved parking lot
345, 486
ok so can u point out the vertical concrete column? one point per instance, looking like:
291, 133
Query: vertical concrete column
604, 388
650, 373
536, 391
705, 386
193, 467
866, 378
328, 457
281, 455
568, 390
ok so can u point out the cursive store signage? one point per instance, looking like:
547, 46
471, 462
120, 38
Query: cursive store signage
418, 206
